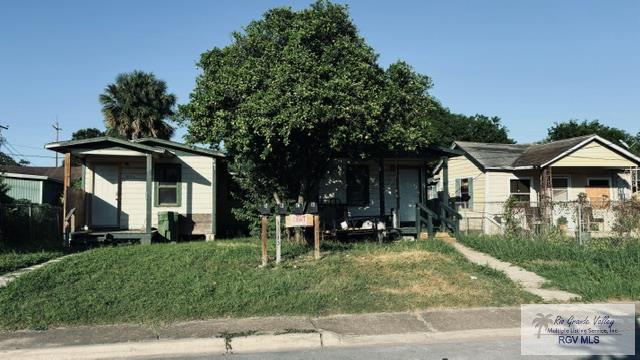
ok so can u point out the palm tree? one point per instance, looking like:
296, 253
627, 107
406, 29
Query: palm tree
542, 320
136, 106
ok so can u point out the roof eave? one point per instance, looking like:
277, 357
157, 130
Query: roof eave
194, 149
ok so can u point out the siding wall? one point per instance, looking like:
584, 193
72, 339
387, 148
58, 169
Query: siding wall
594, 154
334, 183
459, 168
196, 191
29, 189
499, 184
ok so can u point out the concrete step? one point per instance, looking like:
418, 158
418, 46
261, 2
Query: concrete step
445, 236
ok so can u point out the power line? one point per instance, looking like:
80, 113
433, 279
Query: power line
28, 146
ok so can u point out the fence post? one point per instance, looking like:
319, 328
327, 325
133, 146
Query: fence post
30, 225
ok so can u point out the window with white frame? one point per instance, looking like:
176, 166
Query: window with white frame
560, 188
520, 189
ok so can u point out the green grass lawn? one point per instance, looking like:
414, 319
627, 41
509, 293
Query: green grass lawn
11, 261
597, 271
168, 282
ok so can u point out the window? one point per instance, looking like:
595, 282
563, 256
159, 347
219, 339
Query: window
599, 183
520, 189
167, 178
464, 193
358, 185
560, 189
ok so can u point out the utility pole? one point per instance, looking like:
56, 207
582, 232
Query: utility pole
2, 127
57, 128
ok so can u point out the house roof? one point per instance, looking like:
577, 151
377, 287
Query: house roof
538, 154
525, 156
40, 172
488, 155
179, 146
145, 145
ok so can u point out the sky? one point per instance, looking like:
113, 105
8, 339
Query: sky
532, 63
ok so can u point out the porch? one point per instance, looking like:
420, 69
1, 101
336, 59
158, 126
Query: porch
388, 194
113, 202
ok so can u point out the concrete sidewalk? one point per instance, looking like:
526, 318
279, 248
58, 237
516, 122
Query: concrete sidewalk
530, 281
261, 334
7, 278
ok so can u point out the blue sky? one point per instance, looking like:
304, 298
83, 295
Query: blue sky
530, 62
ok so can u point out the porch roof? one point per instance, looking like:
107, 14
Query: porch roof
156, 147
104, 142
179, 146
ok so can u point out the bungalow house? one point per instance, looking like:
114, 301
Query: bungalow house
37, 184
125, 184
391, 189
537, 176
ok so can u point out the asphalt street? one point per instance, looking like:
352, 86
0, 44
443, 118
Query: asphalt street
486, 349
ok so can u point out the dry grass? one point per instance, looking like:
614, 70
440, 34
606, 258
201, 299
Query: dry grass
175, 282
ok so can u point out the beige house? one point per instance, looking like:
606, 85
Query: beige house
481, 181
125, 184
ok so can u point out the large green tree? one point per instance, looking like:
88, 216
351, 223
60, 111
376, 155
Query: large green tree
297, 89
573, 128
87, 133
137, 105
451, 127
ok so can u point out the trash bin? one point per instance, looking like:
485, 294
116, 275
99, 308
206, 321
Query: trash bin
168, 226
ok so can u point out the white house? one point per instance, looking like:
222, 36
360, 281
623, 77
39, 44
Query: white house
481, 181
126, 183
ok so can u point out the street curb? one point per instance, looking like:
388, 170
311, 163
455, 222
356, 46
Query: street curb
121, 350
249, 344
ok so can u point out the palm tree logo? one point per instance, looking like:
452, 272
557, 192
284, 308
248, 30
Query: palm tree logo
542, 320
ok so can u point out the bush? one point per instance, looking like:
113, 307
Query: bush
30, 227
627, 219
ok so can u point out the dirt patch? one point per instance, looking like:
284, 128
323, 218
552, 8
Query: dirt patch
432, 283
402, 257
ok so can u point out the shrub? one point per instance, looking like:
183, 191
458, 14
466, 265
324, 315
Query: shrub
627, 219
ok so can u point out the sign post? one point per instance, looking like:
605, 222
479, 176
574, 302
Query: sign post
265, 210
313, 209
281, 211
316, 236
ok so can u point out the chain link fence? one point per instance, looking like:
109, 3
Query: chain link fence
30, 227
580, 219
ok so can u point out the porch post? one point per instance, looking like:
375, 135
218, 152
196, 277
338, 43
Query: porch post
214, 201
149, 192
445, 191
65, 197
381, 188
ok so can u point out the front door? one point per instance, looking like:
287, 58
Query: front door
409, 189
104, 202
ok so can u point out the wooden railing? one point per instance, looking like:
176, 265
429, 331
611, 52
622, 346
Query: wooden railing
449, 219
69, 225
426, 220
